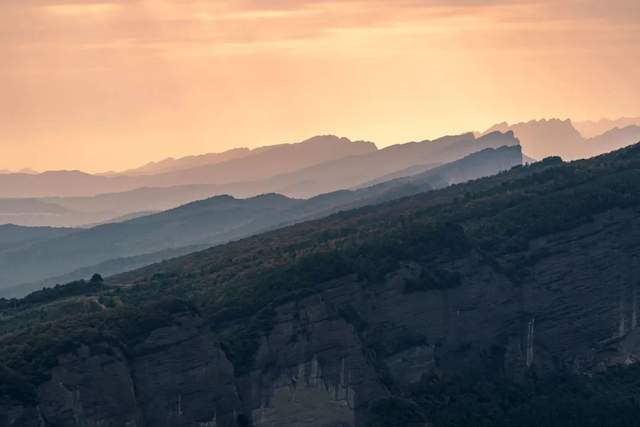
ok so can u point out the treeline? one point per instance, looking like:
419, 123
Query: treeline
78, 287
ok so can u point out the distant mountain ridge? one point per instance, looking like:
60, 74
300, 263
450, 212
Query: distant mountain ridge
266, 162
259, 164
555, 137
102, 208
12, 236
346, 168
24, 171
613, 139
590, 129
224, 218
544, 138
349, 172
171, 164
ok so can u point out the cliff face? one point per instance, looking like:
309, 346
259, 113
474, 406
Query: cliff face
327, 357
177, 376
401, 314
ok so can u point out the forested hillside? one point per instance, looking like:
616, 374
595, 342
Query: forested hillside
509, 300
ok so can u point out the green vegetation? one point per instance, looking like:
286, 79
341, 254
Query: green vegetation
236, 287
433, 278
395, 412
16, 386
606, 399
30, 352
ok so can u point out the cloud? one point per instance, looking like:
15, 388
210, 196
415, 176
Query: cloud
82, 9
145, 23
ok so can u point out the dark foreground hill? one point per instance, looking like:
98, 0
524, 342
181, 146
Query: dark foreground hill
507, 301
216, 220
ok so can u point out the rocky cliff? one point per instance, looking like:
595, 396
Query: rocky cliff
356, 344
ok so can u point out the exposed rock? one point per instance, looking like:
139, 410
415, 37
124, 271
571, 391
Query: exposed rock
90, 388
182, 378
328, 356
16, 414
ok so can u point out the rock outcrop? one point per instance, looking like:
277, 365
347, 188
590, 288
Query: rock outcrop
328, 356
353, 320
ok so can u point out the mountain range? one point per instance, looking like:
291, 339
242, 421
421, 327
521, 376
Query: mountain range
507, 300
212, 221
171, 164
260, 164
590, 128
315, 166
544, 138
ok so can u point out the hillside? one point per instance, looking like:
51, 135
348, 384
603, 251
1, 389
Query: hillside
213, 221
210, 220
509, 300
36, 212
12, 236
102, 208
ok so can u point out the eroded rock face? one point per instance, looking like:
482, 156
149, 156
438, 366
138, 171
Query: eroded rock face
312, 369
307, 395
580, 298
16, 414
90, 388
328, 356
177, 376
182, 378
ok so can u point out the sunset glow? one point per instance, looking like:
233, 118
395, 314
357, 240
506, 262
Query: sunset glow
112, 84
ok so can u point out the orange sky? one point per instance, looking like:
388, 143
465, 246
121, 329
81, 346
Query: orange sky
111, 84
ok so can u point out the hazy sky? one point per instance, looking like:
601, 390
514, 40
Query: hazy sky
111, 84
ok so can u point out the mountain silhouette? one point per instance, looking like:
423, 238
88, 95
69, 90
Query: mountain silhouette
343, 170
259, 164
590, 129
188, 162
554, 137
223, 218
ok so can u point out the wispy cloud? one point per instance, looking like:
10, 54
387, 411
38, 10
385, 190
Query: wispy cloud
82, 9
163, 22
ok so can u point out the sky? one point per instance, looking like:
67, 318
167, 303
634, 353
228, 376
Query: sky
110, 84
